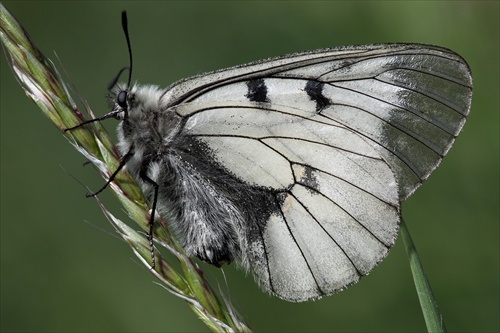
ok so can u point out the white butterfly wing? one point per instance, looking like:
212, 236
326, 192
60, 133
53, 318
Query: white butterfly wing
339, 137
419, 96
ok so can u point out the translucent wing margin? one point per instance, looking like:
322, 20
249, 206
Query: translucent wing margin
338, 137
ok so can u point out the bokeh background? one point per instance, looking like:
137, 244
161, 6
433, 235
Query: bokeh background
61, 272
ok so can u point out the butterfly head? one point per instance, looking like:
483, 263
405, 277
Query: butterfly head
135, 101
121, 99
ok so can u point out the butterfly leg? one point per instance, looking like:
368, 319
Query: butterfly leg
123, 161
145, 178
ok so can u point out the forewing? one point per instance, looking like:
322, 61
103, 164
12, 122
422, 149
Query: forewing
409, 100
337, 138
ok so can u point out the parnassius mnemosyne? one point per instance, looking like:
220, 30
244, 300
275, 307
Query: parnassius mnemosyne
295, 166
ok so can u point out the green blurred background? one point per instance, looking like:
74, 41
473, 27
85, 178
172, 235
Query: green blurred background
61, 272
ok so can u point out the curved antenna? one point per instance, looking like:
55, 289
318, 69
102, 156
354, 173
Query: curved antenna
112, 83
125, 30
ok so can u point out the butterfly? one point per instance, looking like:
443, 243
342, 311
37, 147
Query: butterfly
295, 166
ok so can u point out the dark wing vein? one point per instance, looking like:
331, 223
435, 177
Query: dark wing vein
330, 236
300, 249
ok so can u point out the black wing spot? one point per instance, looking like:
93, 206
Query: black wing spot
314, 90
309, 179
257, 91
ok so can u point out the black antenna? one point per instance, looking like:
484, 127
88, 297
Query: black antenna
125, 31
113, 82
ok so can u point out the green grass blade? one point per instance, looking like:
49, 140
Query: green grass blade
432, 315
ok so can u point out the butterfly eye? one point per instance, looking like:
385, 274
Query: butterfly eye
122, 99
